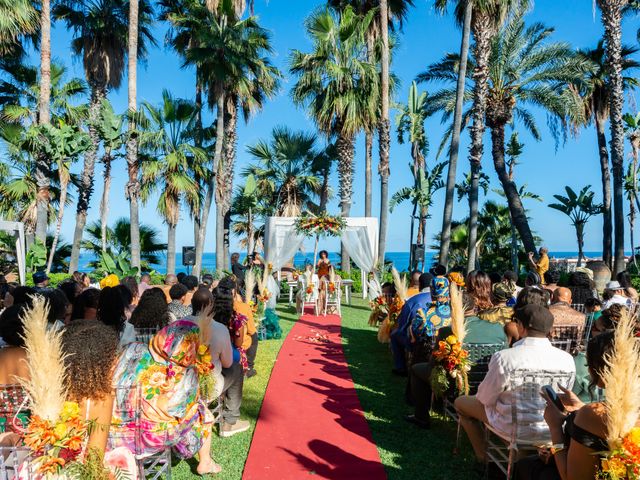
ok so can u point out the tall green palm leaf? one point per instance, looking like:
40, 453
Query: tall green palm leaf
100, 35
17, 18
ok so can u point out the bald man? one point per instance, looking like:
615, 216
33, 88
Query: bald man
561, 309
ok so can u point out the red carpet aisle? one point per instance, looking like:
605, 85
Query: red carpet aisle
311, 424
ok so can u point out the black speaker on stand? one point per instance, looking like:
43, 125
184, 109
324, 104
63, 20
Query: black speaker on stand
188, 257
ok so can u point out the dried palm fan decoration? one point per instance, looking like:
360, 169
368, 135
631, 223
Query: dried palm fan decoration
621, 378
457, 313
45, 361
249, 284
400, 284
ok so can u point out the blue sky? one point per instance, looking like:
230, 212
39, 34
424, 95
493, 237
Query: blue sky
427, 36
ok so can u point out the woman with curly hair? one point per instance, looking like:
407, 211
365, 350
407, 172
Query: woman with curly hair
152, 310
112, 312
90, 350
479, 288
85, 306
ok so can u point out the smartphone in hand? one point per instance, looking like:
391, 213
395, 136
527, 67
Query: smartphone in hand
553, 396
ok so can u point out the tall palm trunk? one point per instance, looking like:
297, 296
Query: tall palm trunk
607, 227
482, 33
611, 20
384, 128
197, 214
132, 190
455, 138
211, 184
368, 142
104, 201
324, 190
171, 248
516, 209
42, 162
85, 189
580, 237
225, 175
346, 152
250, 243
64, 187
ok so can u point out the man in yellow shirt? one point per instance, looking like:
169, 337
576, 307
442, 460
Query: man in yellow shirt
250, 342
414, 284
542, 265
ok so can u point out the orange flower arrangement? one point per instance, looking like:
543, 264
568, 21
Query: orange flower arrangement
379, 310
264, 296
452, 361
394, 310
624, 462
332, 287
56, 444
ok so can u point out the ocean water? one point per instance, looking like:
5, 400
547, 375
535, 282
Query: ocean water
399, 259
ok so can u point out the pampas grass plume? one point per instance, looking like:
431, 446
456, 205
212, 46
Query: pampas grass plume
45, 361
621, 378
400, 284
457, 313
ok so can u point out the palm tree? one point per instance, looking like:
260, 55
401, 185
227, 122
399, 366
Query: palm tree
100, 36
119, 241
579, 208
524, 70
338, 86
284, 172
398, 11
632, 131
421, 197
132, 189
321, 167
166, 139
42, 179
447, 214
109, 129
487, 16
247, 91
594, 90
611, 17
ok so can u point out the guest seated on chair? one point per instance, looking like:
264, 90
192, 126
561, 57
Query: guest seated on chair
582, 428
152, 310
527, 296
400, 337
493, 403
500, 313
177, 308
414, 284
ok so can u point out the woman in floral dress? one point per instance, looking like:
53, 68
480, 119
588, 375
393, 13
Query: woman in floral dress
171, 411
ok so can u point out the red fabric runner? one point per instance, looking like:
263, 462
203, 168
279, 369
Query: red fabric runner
311, 422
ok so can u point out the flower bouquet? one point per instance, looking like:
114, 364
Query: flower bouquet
205, 367
623, 463
451, 362
379, 310
308, 293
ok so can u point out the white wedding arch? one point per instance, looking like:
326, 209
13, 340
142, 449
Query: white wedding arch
359, 238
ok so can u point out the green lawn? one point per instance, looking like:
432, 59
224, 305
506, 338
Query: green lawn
406, 451
232, 452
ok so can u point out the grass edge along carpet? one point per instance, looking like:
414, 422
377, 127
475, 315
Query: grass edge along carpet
311, 423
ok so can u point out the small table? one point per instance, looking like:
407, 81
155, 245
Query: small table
347, 284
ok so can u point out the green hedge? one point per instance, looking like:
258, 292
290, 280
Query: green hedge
54, 279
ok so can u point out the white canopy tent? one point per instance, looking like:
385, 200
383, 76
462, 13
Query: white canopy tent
17, 230
359, 238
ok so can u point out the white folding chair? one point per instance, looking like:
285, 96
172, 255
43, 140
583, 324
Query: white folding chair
128, 409
567, 337
332, 299
579, 307
528, 427
309, 299
14, 460
144, 335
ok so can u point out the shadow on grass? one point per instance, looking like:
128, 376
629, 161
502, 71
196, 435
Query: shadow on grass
406, 451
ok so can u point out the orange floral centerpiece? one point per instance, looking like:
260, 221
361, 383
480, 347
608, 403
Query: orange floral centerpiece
58, 443
623, 463
379, 310
451, 362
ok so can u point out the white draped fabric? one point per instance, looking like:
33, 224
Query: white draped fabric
359, 238
281, 244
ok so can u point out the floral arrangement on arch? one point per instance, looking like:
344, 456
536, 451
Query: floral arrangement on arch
311, 225
379, 310
451, 363
621, 378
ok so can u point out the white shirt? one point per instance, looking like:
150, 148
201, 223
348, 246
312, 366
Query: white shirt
617, 300
531, 354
